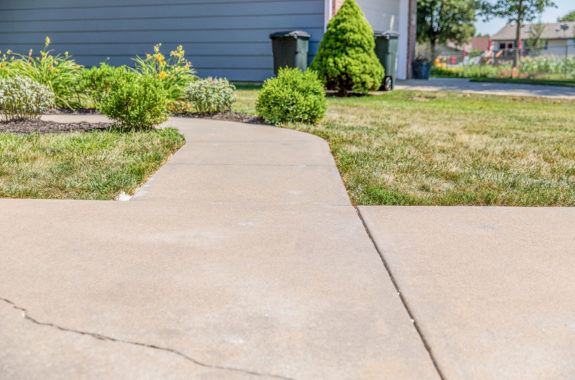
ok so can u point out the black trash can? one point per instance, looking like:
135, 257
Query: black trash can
386, 50
421, 69
290, 49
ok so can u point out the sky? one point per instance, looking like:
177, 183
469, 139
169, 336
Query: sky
550, 15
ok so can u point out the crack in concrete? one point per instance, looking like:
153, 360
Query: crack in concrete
140, 344
401, 297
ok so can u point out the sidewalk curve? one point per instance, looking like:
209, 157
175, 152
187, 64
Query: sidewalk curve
242, 257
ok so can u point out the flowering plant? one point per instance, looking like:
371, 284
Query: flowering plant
174, 72
60, 73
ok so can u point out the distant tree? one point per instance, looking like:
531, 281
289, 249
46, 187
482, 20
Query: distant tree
439, 21
535, 43
346, 60
518, 12
568, 17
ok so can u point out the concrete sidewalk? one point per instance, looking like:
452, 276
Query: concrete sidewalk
492, 289
242, 257
465, 85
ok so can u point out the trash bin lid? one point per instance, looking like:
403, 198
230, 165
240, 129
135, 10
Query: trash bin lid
291, 34
388, 35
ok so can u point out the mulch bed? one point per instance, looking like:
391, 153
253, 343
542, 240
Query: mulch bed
45, 126
226, 116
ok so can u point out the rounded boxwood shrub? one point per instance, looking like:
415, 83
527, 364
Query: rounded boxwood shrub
23, 98
135, 101
208, 96
96, 82
294, 96
346, 59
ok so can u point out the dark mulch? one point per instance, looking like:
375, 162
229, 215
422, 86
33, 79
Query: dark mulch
227, 116
45, 126
76, 111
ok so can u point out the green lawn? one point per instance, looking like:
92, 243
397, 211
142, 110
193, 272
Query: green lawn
88, 165
437, 148
546, 82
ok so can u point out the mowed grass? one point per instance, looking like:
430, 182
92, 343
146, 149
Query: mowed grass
87, 165
438, 148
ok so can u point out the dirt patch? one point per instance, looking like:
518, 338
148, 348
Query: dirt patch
45, 126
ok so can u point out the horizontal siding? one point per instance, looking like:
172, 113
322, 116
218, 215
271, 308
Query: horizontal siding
228, 38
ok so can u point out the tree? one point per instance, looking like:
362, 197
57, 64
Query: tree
535, 43
439, 21
346, 59
518, 12
568, 17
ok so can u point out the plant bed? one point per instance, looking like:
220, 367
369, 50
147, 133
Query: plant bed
536, 82
47, 126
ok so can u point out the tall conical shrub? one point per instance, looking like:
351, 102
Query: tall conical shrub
346, 59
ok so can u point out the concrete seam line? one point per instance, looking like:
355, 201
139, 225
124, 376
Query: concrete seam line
152, 346
401, 297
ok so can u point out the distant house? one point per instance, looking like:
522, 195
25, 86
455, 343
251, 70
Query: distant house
557, 40
224, 38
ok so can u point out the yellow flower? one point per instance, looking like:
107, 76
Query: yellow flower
8, 51
157, 48
162, 74
30, 53
47, 42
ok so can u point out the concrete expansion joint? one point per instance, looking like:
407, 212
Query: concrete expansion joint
106, 338
401, 297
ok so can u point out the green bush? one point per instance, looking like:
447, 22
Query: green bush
96, 82
294, 96
135, 101
23, 98
211, 95
346, 59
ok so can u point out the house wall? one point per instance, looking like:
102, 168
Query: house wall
228, 38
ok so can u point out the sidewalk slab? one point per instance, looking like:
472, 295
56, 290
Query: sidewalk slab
492, 289
259, 286
465, 85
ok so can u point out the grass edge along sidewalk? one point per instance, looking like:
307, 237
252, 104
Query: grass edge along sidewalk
441, 148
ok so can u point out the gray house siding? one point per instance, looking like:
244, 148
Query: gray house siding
224, 38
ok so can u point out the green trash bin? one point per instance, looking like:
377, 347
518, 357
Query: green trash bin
290, 49
386, 51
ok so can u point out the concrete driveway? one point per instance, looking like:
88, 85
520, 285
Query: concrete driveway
243, 258
465, 85
492, 289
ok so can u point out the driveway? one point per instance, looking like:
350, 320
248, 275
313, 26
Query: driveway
491, 288
465, 85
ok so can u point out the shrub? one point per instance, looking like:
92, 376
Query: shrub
135, 101
59, 72
174, 73
211, 95
294, 96
23, 98
346, 59
96, 83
